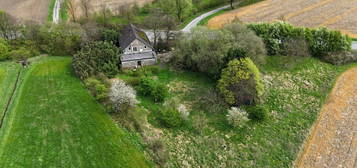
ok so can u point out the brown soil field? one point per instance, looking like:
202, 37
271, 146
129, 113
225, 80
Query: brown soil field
113, 5
333, 139
334, 14
36, 10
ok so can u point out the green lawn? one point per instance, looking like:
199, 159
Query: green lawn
8, 73
55, 122
294, 96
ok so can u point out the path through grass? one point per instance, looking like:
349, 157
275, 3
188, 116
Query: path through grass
8, 73
54, 122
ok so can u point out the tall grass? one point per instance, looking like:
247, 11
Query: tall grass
55, 122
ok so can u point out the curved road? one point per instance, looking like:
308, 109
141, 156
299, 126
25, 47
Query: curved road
56, 11
354, 45
195, 21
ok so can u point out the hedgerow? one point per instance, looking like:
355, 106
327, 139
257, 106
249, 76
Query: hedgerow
320, 41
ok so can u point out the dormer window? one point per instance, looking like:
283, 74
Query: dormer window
135, 49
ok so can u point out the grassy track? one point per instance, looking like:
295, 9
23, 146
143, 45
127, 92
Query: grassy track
8, 72
54, 122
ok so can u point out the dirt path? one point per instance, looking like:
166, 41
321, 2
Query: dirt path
333, 140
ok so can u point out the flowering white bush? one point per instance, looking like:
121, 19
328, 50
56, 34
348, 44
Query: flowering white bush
184, 113
237, 117
122, 96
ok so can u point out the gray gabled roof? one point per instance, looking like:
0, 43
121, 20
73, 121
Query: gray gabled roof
138, 56
130, 33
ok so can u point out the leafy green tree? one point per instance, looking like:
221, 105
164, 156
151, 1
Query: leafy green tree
240, 82
4, 49
111, 35
95, 58
209, 51
203, 50
178, 8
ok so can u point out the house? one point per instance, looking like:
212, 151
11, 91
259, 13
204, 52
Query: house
136, 47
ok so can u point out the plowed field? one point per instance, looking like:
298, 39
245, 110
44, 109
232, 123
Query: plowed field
113, 5
334, 14
26, 9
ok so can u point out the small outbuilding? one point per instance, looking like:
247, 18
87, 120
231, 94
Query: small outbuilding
136, 47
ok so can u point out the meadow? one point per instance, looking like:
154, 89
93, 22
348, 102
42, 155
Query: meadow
295, 92
54, 122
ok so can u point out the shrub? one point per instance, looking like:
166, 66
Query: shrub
152, 88
184, 113
133, 81
97, 88
159, 92
20, 54
240, 82
122, 96
4, 49
160, 154
110, 35
297, 47
96, 57
341, 58
326, 41
170, 117
258, 113
237, 117
30, 46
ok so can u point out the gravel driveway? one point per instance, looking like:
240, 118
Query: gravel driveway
354, 45
333, 140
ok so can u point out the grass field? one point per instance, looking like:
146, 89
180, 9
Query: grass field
334, 14
8, 73
54, 122
294, 96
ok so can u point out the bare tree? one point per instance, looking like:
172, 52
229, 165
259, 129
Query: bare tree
8, 26
169, 24
180, 4
232, 1
72, 9
86, 7
154, 23
105, 13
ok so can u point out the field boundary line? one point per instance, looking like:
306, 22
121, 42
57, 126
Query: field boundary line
10, 98
305, 145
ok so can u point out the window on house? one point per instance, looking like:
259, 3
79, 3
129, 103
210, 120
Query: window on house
135, 49
129, 48
144, 46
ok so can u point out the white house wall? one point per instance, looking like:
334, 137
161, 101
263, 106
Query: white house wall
141, 47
